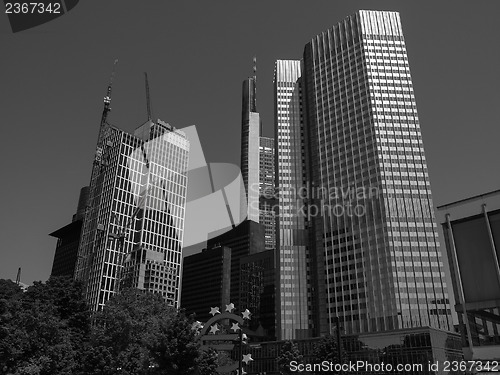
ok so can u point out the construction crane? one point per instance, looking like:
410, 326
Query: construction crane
85, 258
122, 233
120, 236
148, 98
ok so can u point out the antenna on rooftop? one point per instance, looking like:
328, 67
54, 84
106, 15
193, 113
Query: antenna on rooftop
254, 78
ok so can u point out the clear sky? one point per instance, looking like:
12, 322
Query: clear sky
54, 76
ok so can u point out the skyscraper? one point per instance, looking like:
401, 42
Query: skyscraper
250, 131
133, 227
294, 308
373, 250
267, 201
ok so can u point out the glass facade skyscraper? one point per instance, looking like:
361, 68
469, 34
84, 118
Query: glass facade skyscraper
133, 228
266, 191
294, 319
373, 250
250, 131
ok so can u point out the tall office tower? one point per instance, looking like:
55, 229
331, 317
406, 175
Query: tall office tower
133, 227
250, 130
294, 312
267, 199
372, 215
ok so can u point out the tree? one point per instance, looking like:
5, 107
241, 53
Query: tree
327, 350
9, 290
207, 362
47, 331
42, 329
176, 349
139, 333
289, 352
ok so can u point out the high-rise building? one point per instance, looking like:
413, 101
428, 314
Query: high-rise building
372, 258
293, 295
133, 227
250, 131
267, 201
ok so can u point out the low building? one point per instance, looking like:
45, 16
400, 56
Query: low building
257, 292
472, 234
423, 350
66, 255
206, 281
68, 239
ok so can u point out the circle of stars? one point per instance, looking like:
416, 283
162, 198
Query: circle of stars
247, 358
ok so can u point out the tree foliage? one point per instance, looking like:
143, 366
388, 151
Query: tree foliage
42, 329
138, 333
289, 352
327, 350
207, 362
48, 330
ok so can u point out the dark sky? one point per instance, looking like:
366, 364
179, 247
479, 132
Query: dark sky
54, 76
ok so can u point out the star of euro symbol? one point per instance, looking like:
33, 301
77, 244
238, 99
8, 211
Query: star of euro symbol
230, 307
246, 314
235, 327
214, 329
214, 310
247, 358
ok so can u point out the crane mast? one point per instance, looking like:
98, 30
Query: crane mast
148, 98
85, 254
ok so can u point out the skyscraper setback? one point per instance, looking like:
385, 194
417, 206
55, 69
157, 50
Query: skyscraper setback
372, 254
133, 226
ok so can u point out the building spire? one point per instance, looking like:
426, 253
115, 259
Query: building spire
255, 68
254, 87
